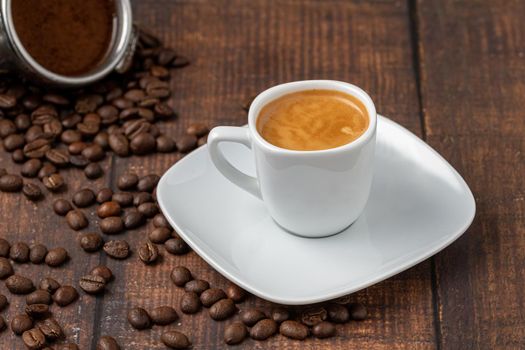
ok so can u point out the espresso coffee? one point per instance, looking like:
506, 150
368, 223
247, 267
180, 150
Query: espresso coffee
313, 120
67, 37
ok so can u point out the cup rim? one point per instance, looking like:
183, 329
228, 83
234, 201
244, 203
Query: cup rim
280, 90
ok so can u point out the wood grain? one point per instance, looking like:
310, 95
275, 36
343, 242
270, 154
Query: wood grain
472, 74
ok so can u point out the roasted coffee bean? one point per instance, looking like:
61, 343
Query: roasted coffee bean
55, 99
51, 329
148, 252
65, 295
190, 303
84, 198
186, 143
337, 313
176, 246
163, 315
117, 249
294, 330
235, 333
159, 72
198, 286
71, 120
32, 191
211, 296
76, 220
3, 325
76, 148
22, 122
61, 206
160, 221
142, 144
56, 257
53, 128
13, 142
88, 103
104, 195
108, 209
158, 89
165, 144
57, 156
111, 225
6, 269
31, 168
49, 284
166, 56
11, 183
159, 235
127, 181
148, 183
3, 302
135, 95
235, 293
125, 199
102, 271
263, 329
108, 114
37, 148
197, 129
70, 136
79, 161
92, 284
175, 340
47, 170
19, 252
54, 182
313, 315
129, 113
122, 103
142, 197
222, 309
34, 133
37, 253
180, 61
107, 343
102, 139
93, 171
7, 127
4, 248
358, 312
94, 153
91, 242
39, 296
17, 284
251, 316
132, 218
34, 339
36, 311
180, 275
21, 323
323, 330
18, 156
163, 110
139, 318
148, 209
280, 314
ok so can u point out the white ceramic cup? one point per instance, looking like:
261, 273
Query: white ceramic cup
309, 193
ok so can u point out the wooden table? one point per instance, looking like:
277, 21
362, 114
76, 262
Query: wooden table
452, 72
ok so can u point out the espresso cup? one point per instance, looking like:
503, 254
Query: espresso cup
309, 193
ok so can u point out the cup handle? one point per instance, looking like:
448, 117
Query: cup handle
232, 134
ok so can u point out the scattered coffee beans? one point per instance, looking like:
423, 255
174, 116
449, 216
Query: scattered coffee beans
139, 318
76, 220
91, 242
37, 253
160, 221
211, 296
235, 333
180, 275
111, 225
175, 340
39, 296
34, 339
104, 195
48, 284
37, 311
6, 269
21, 323
84, 198
358, 312
148, 252
117, 249
4, 248
337, 313
32, 192
107, 343
190, 303
61, 207
313, 315
163, 315
56, 257
65, 295
11, 183
17, 284
235, 293
159, 235
176, 246
323, 330
294, 330
102, 271
280, 314
251, 316
222, 309
127, 182
108, 209
3, 302
51, 329
197, 286
19, 252
92, 284
263, 329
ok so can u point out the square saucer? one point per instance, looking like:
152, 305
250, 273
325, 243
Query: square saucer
418, 205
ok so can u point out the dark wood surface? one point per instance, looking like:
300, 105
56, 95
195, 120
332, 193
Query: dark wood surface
452, 72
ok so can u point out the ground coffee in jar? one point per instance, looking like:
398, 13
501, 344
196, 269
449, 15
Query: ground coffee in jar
67, 37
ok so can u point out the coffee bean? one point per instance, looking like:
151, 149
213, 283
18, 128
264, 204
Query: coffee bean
180, 61
197, 129
159, 89
6, 269
166, 56
111, 225
11, 183
160, 221
51, 329
139, 318
36, 311
104, 195
22, 122
92, 284
91, 242
37, 253
190, 303
133, 219
47, 170
39, 296
337, 313
186, 143
18, 156
148, 183
49, 284
163, 315
14, 142
251, 316
4, 248
93, 171
142, 197
102, 139
76, 220
66, 346
280, 314
313, 315
119, 144
211, 296
84, 198
180, 275
31, 168
65, 295
222, 309
107, 343
135, 95
61, 207
37, 148
71, 120
54, 182
108, 209
148, 252
148, 209
358, 312
117, 249
79, 161
176, 246
294, 330
17, 284
108, 114
88, 103
163, 110
57, 156
143, 144
3, 325
102, 271
159, 235
127, 181
19, 252
235, 293
122, 103
32, 191
7, 127
56, 257
197, 286
94, 153
263, 329
165, 144
235, 333
175, 340
323, 330
125, 199
76, 148
55, 99
21, 323
34, 339
70, 136
3, 302
159, 72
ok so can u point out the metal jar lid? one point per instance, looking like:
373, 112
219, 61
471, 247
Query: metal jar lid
13, 55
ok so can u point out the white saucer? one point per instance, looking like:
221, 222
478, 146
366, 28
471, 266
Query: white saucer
418, 205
